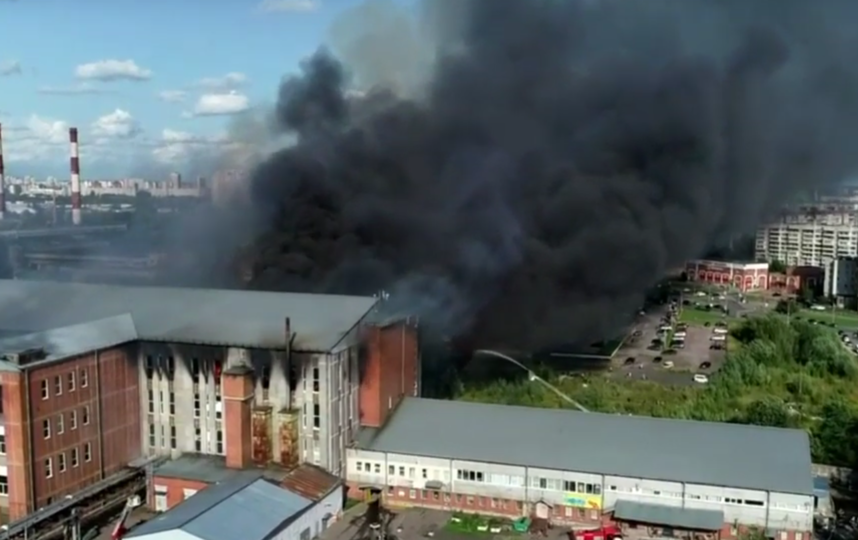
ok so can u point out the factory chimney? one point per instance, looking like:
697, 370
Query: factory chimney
75, 177
2, 179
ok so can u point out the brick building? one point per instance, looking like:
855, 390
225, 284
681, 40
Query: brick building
798, 278
745, 277
71, 413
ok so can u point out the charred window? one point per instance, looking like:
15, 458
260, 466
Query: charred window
266, 377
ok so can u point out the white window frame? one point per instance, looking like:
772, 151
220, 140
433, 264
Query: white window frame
49, 468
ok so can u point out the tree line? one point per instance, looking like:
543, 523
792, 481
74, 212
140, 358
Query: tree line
780, 372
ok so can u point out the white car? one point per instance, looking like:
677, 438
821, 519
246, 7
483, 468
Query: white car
668, 364
701, 378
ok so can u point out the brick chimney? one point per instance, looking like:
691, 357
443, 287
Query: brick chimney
238, 400
390, 370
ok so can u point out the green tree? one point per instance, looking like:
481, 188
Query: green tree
768, 412
837, 434
777, 267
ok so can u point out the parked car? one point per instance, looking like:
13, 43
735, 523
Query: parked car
701, 378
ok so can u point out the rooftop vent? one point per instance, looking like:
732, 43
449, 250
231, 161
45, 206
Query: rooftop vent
25, 356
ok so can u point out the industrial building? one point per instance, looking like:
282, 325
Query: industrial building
70, 411
300, 358
249, 507
745, 277
589, 468
810, 235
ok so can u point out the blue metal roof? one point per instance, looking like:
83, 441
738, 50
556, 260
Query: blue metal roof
248, 508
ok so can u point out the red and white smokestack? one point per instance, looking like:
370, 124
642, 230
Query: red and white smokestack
2, 179
75, 177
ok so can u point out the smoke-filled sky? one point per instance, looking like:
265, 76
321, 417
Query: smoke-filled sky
525, 170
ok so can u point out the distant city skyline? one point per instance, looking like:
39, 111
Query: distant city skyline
150, 88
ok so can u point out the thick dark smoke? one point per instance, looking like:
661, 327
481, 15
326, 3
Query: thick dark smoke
561, 156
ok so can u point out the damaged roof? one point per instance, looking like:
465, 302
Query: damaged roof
254, 319
311, 482
68, 341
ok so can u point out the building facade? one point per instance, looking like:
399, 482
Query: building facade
809, 236
798, 278
566, 466
745, 277
841, 281
70, 419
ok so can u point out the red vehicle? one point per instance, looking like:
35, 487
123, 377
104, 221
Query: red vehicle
604, 533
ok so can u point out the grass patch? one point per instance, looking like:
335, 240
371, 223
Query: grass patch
690, 315
478, 525
351, 503
841, 318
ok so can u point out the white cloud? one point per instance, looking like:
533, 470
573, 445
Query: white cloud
173, 96
230, 81
75, 90
112, 70
36, 138
221, 104
176, 147
301, 6
117, 125
10, 67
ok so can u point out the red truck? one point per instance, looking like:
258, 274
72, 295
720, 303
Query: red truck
603, 533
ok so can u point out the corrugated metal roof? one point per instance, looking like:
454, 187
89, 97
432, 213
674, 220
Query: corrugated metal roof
717, 454
311, 482
69, 341
246, 509
672, 516
203, 316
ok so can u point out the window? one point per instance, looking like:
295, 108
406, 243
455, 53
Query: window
173, 437
196, 405
73, 420
86, 415
49, 468
219, 449
46, 393
376, 468
315, 379
424, 473
391, 470
470, 476
151, 400
4, 485
359, 466
71, 382
74, 457
61, 427
46, 428
3, 444
750, 502
411, 472
172, 403
58, 385
84, 378
152, 435
61, 462
87, 452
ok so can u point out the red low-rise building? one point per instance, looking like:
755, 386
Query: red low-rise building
796, 279
745, 277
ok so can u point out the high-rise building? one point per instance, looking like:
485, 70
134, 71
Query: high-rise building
810, 236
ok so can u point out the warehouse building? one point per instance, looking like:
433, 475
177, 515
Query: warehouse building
70, 411
589, 468
305, 355
247, 507
745, 277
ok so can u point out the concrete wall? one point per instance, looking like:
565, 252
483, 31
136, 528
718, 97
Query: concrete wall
574, 496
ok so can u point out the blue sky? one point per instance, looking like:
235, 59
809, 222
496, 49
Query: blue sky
139, 79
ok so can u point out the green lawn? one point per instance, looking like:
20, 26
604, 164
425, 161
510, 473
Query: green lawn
841, 317
691, 315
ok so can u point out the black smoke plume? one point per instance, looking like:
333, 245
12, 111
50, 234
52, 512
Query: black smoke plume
560, 157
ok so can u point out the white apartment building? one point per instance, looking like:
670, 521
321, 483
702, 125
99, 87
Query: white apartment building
810, 236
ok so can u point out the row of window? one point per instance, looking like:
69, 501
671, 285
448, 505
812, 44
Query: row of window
70, 381
198, 441
552, 484
60, 424
74, 461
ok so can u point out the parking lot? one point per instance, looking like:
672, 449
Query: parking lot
646, 356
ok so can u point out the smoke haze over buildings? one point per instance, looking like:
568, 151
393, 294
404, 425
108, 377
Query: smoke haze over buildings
526, 170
